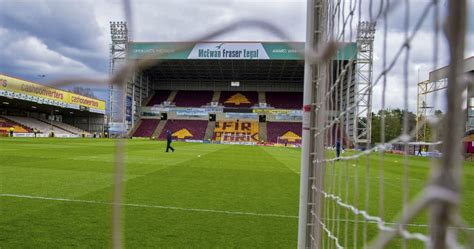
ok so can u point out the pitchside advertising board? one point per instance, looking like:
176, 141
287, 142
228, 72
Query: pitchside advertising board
21, 89
227, 51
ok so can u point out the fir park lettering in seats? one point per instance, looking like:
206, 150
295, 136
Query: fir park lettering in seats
236, 131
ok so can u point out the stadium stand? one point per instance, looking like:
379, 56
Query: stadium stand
158, 98
238, 99
39, 125
66, 127
285, 100
146, 128
236, 131
469, 142
185, 129
193, 98
6, 124
284, 132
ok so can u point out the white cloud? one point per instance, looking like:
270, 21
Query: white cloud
34, 57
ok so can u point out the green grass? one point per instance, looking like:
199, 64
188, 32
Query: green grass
201, 196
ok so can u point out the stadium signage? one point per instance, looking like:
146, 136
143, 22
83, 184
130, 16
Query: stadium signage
42, 91
237, 115
279, 111
21, 89
84, 101
218, 54
228, 51
282, 114
192, 112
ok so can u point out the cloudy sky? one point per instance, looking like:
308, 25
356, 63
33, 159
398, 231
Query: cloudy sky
61, 38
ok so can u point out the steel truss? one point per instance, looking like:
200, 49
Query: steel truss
422, 108
136, 89
361, 125
118, 57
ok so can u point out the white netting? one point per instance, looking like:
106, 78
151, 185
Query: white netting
348, 201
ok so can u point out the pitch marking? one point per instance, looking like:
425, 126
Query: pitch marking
193, 209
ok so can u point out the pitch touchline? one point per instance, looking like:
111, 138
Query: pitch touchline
194, 209
149, 206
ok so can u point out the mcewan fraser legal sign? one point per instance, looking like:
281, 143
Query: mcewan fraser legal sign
217, 50
228, 51
25, 90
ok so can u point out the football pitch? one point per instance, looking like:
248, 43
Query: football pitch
57, 193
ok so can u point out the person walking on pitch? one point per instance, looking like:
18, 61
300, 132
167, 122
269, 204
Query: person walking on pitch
338, 148
419, 151
169, 139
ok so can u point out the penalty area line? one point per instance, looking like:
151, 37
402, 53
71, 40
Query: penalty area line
149, 206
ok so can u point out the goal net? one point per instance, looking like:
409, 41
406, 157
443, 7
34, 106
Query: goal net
361, 64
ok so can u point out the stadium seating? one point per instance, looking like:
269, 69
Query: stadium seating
66, 127
287, 132
236, 131
193, 98
39, 125
238, 99
146, 128
158, 97
6, 124
185, 129
285, 100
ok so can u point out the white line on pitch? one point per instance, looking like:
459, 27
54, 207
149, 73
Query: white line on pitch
392, 223
196, 209
150, 206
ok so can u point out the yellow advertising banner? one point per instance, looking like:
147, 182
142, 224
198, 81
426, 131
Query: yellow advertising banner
36, 91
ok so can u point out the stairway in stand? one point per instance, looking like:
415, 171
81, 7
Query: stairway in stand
216, 96
159, 129
261, 97
210, 130
172, 96
262, 131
